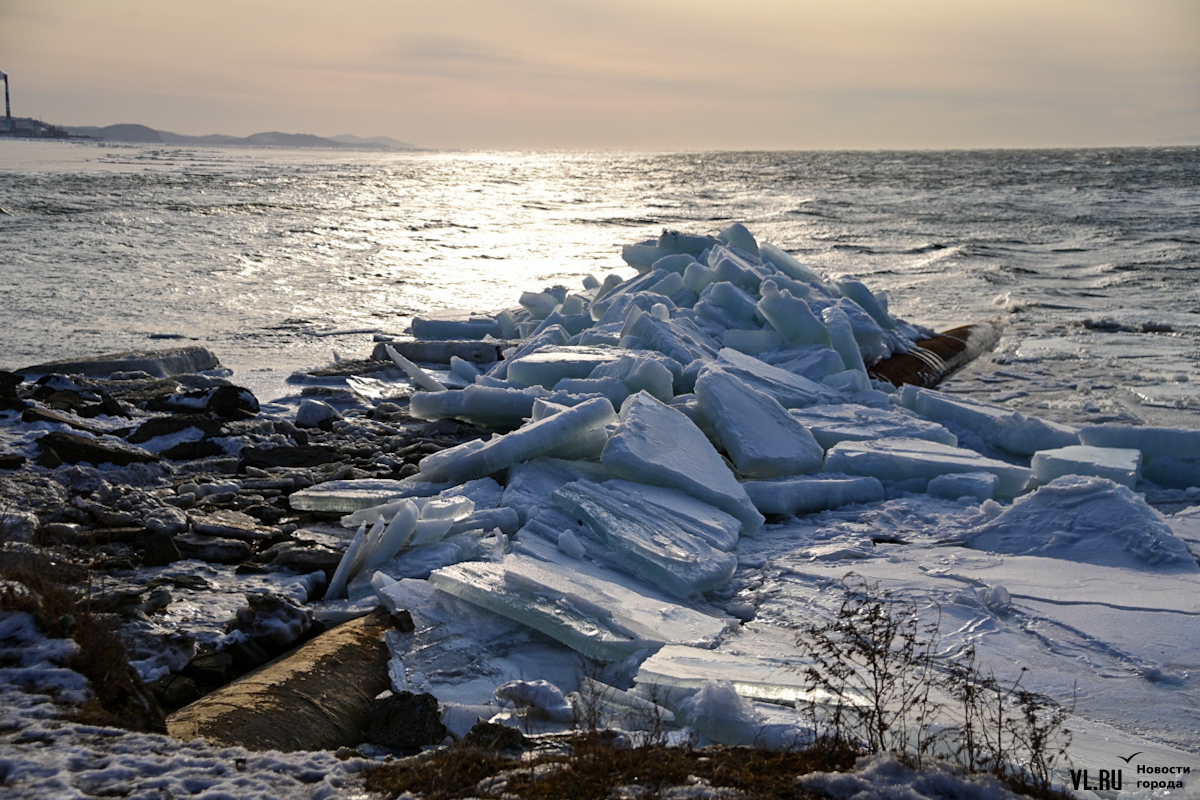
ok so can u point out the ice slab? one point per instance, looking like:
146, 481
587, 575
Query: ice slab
657, 445
791, 316
453, 323
601, 619
810, 494
894, 460
549, 365
850, 422
978, 485
761, 438
648, 540
1118, 464
774, 680
642, 372
353, 495
1171, 455
486, 406
751, 342
528, 485
998, 426
1090, 520
706, 521
479, 459
790, 389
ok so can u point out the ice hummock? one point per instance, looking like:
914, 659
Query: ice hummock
635, 500
1087, 519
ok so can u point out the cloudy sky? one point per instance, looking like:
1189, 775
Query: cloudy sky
620, 74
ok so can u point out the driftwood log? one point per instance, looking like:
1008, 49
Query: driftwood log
314, 698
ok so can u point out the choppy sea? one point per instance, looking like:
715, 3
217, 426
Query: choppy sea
278, 259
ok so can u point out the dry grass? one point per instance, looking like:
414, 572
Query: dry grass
32, 581
596, 766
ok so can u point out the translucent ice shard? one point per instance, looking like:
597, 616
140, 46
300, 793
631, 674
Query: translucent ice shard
810, 494
1171, 455
351, 495
419, 376
979, 485
1118, 464
790, 389
601, 619
1090, 520
761, 438
850, 422
455, 323
486, 406
841, 338
695, 516
777, 681
1153, 442
648, 540
657, 445
476, 459
894, 460
549, 365
998, 426
791, 316
642, 372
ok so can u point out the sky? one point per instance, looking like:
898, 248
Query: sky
618, 74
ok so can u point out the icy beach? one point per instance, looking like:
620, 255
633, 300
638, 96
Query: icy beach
627, 498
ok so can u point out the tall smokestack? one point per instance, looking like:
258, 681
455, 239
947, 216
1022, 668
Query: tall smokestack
7, 109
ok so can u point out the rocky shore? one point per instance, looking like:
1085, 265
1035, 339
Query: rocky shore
109, 476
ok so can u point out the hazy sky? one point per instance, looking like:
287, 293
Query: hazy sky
636, 74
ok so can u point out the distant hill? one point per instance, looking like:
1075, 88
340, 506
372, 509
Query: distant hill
384, 141
142, 134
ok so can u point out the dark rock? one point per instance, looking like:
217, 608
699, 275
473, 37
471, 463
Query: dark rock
72, 448
210, 668
11, 461
168, 426
402, 621
213, 549
496, 737
301, 557
286, 456
405, 722
190, 451
316, 414
273, 621
9, 381
230, 525
174, 691
232, 402
158, 550
35, 414
167, 520
48, 458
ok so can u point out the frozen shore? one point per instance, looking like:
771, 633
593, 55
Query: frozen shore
663, 480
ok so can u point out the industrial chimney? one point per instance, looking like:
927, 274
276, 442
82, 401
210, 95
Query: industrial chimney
7, 108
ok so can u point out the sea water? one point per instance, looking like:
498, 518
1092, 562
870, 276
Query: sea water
283, 259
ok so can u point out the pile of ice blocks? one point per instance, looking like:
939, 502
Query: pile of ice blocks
643, 425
